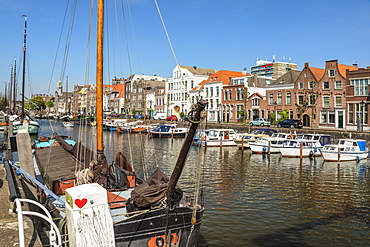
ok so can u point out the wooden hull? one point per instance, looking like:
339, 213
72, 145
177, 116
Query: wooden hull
147, 228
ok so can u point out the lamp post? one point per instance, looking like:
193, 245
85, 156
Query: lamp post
218, 113
362, 103
275, 112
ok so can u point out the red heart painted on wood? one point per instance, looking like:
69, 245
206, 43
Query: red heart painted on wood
80, 202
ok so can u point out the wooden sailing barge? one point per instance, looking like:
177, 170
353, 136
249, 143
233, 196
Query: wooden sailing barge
153, 213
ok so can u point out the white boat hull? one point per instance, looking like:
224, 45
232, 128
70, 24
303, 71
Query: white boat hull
296, 152
343, 156
217, 143
260, 148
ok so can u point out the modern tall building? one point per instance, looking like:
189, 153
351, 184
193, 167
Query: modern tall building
272, 69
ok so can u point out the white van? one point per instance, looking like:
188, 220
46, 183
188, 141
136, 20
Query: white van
159, 116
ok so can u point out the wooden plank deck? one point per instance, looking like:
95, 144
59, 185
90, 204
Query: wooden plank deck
56, 164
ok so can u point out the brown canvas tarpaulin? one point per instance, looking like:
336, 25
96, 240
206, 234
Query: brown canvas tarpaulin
153, 191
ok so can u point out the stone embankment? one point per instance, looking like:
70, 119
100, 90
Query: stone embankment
246, 128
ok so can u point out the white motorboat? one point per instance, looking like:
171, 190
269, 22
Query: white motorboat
345, 150
217, 138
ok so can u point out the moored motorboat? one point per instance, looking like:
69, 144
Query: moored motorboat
168, 131
68, 124
217, 138
307, 145
345, 150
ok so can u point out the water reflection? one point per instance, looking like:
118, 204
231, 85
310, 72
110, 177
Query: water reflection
258, 200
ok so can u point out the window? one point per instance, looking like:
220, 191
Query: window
311, 85
323, 116
288, 98
338, 84
326, 101
331, 72
279, 98
361, 86
350, 113
300, 99
300, 85
217, 91
338, 101
256, 102
331, 117
271, 98
211, 91
325, 85
206, 92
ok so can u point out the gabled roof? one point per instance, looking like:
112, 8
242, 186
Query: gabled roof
287, 78
120, 88
223, 76
317, 73
342, 69
256, 94
199, 71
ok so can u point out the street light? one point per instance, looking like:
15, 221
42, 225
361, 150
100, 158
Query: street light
275, 111
219, 115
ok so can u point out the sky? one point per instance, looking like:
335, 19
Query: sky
212, 34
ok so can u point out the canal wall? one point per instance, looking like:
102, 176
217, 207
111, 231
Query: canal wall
334, 133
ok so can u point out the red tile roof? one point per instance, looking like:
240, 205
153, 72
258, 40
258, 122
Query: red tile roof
318, 73
342, 69
220, 76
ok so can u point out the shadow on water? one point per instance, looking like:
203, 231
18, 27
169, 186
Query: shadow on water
293, 236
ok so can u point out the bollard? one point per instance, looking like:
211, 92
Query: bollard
89, 220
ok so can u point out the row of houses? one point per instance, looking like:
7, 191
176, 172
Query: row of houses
334, 97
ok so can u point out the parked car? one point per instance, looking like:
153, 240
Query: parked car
139, 116
159, 116
172, 118
290, 123
260, 122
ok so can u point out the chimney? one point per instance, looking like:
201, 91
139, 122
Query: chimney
355, 64
194, 67
244, 71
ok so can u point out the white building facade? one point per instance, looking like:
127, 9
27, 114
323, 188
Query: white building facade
183, 80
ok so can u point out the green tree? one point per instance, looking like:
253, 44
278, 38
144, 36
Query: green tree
49, 104
3, 102
37, 103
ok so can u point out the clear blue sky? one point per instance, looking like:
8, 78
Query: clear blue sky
214, 34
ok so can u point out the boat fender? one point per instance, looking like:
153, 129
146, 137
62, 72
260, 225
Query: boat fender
264, 149
358, 159
315, 149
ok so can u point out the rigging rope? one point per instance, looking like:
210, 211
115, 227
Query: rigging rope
165, 30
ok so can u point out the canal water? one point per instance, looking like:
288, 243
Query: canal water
254, 199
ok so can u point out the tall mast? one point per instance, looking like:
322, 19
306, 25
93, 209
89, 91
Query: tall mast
24, 62
10, 96
99, 79
66, 95
14, 85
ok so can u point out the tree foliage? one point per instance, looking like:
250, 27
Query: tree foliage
37, 103
49, 104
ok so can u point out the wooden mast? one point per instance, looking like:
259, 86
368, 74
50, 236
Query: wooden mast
101, 170
99, 78
176, 173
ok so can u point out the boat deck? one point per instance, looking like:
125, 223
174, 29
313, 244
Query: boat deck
56, 164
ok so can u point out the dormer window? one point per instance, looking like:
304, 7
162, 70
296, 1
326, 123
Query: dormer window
331, 72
